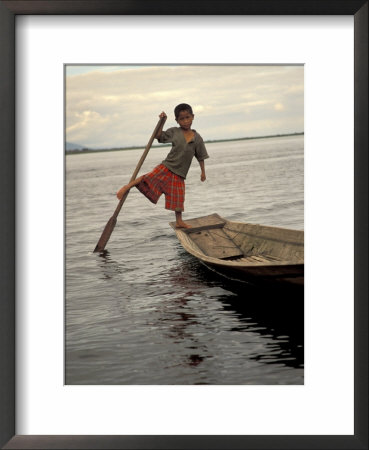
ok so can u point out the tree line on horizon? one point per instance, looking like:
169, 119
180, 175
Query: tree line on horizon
209, 141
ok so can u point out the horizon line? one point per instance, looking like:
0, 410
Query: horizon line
209, 141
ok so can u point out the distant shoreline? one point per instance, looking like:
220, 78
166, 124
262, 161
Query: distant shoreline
84, 151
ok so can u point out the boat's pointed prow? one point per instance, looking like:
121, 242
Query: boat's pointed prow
201, 223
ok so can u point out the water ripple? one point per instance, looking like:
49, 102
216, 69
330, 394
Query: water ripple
146, 312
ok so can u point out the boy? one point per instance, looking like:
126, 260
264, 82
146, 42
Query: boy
168, 177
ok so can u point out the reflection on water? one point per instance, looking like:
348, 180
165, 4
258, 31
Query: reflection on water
196, 319
266, 311
146, 312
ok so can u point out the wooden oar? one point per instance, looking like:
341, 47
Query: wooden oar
109, 227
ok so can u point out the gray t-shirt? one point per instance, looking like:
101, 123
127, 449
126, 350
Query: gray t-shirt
180, 156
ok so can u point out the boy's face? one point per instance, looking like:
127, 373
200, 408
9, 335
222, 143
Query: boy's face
185, 119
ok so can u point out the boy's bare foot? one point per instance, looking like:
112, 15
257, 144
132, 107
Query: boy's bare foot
182, 224
122, 191
179, 221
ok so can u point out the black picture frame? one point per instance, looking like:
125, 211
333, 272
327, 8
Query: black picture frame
8, 11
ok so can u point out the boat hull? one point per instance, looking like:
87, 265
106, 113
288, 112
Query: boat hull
291, 275
246, 252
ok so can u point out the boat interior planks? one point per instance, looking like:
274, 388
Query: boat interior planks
281, 243
216, 243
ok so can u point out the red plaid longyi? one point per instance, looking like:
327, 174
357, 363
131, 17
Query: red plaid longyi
162, 181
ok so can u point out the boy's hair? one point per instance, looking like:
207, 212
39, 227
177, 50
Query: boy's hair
182, 107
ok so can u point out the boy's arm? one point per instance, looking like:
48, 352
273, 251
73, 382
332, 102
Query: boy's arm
158, 134
202, 167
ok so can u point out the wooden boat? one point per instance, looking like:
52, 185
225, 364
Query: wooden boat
245, 251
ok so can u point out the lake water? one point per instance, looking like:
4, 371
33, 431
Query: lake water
146, 312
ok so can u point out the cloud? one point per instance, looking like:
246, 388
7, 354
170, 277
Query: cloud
114, 108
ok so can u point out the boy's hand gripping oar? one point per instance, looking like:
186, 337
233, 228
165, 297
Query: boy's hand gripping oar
109, 227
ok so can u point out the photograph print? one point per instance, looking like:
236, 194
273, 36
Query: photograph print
184, 224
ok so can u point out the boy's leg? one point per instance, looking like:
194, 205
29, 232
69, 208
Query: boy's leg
179, 221
128, 186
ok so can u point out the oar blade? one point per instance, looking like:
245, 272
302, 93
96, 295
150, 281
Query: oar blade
109, 227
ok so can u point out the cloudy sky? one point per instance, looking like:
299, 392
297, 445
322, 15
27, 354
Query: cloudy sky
118, 106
